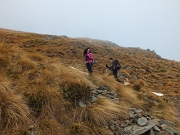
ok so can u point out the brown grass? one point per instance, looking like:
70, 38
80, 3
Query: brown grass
14, 112
83, 128
49, 127
101, 113
35, 69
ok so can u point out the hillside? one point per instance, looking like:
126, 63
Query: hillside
44, 84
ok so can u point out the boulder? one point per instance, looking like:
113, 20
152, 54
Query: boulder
137, 130
142, 121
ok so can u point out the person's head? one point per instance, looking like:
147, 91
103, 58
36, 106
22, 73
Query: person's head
87, 50
110, 59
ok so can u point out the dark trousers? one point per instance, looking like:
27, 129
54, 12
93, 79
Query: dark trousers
89, 67
115, 71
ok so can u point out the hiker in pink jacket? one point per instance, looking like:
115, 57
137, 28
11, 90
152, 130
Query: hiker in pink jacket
88, 57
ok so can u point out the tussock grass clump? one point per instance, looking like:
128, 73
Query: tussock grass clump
83, 129
47, 103
37, 57
4, 62
26, 64
14, 113
49, 127
76, 92
69, 75
101, 113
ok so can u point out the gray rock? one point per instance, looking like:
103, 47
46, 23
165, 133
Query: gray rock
156, 128
164, 126
142, 121
137, 110
167, 122
137, 130
99, 95
135, 77
112, 127
174, 130
118, 131
116, 100
169, 132
151, 132
81, 104
94, 98
131, 115
128, 67
162, 133
155, 121
94, 91
99, 91
112, 122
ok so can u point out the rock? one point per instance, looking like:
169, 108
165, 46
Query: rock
94, 91
123, 75
151, 132
128, 67
137, 110
135, 77
156, 128
142, 121
112, 122
162, 133
131, 115
30, 130
81, 104
112, 127
118, 131
169, 132
167, 122
137, 130
164, 126
116, 100
174, 130
94, 98
155, 121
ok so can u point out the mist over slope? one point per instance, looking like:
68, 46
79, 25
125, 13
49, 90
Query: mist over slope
43, 79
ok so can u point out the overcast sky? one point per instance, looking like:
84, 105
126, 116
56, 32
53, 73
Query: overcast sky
148, 24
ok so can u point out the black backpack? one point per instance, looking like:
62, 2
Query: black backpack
117, 65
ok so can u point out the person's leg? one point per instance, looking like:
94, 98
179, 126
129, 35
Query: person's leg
91, 67
115, 74
88, 67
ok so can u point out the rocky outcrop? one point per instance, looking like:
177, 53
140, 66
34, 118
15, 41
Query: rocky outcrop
142, 123
103, 91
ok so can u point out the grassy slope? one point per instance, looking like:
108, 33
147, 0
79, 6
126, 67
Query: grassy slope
34, 68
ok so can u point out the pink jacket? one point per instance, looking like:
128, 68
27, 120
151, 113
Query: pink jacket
89, 58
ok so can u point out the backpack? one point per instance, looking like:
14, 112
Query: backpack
117, 65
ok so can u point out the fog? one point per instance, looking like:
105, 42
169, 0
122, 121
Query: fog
147, 24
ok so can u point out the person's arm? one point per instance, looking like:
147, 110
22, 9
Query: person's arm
90, 55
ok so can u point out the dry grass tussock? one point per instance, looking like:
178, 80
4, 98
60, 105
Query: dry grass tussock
101, 113
69, 75
14, 112
83, 128
129, 97
39, 68
49, 127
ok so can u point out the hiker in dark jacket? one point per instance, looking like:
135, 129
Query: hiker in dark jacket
89, 58
114, 66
